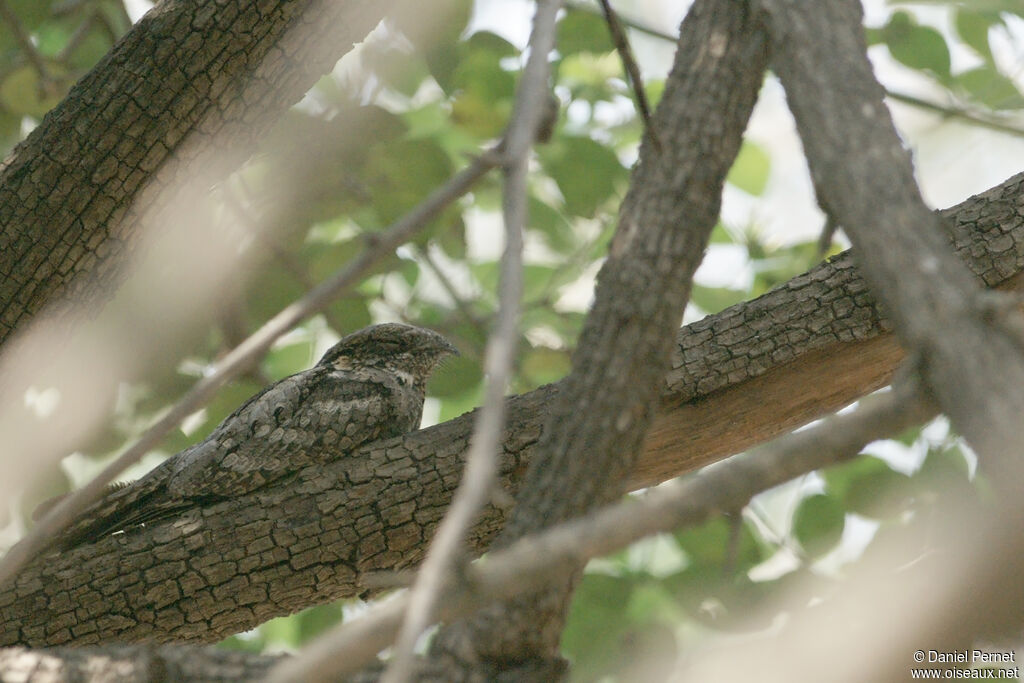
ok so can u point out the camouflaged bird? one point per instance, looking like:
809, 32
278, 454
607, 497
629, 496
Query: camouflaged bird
368, 386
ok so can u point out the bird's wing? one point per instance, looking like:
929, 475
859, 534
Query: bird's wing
284, 429
288, 425
113, 511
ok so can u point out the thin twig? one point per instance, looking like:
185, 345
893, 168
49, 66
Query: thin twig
461, 305
967, 115
634, 24
530, 563
629, 65
975, 118
242, 357
481, 470
79, 35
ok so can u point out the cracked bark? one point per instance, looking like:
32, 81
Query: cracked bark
210, 574
200, 82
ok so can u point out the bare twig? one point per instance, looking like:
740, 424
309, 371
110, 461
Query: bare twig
79, 35
629, 65
241, 358
634, 24
967, 115
461, 305
976, 118
531, 562
482, 461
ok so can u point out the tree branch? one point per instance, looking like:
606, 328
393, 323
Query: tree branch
820, 324
239, 359
482, 461
197, 83
535, 560
597, 422
970, 354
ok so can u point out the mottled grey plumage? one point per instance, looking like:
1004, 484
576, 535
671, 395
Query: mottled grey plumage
368, 386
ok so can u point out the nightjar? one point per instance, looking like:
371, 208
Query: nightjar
368, 386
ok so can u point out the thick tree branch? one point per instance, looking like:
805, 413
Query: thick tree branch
242, 357
528, 563
969, 349
598, 420
534, 560
822, 324
199, 82
480, 477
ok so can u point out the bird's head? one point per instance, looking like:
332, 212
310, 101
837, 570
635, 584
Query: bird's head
391, 346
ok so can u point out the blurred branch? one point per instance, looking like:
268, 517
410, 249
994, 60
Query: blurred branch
481, 472
132, 663
46, 81
80, 33
631, 68
634, 24
461, 305
268, 240
531, 562
976, 118
242, 357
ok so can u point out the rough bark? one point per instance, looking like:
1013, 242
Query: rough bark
597, 422
131, 664
825, 320
967, 345
199, 82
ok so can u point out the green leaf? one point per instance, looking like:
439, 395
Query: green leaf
919, 47
774, 267
717, 601
586, 172
751, 169
549, 222
715, 299
287, 360
583, 32
710, 545
30, 13
818, 524
991, 88
869, 487
315, 620
593, 632
456, 377
720, 235
543, 365
23, 94
402, 71
351, 313
943, 470
973, 27
537, 281
403, 172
